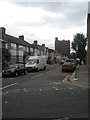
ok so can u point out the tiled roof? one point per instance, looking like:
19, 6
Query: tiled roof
15, 40
51, 50
12, 39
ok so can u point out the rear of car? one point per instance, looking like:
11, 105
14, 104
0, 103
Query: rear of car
69, 65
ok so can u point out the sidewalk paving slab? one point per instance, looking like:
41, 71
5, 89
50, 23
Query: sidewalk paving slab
80, 78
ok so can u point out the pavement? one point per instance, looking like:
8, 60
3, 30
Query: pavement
79, 77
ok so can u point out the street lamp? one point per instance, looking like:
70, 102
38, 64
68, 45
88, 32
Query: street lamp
76, 64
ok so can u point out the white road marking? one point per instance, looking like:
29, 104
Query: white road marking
49, 71
72, 93
25, 90
6, 102
8, 86
40, 89
37, 76
69, 88
56, 88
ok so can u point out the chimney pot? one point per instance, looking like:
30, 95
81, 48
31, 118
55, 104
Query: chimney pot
43, 45
21, 37
35, 42
56, 38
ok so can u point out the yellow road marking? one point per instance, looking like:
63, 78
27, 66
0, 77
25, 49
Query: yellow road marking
66, 78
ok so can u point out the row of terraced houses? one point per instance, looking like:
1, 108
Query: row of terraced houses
17, 49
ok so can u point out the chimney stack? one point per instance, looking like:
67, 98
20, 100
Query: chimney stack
21, 37
35, 42
43, 45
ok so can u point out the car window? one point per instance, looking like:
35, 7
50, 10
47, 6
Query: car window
13, 66
69, 60
37, 61
21, 65
31, 61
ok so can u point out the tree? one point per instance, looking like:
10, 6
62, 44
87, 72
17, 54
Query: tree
72, 55
79, 44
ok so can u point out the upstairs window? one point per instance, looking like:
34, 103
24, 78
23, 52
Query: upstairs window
13, 46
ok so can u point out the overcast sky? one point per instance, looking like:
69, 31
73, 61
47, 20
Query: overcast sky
43, 21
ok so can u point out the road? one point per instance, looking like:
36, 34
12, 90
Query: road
42, 94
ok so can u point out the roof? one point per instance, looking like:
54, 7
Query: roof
15, 40
51, 50
39, 47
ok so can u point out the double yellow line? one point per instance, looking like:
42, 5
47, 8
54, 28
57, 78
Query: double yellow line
66, 78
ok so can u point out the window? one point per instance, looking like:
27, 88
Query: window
23, 48
37, 61
31, 61
31, 49
20, 47
21, 65
20, 52
6, 46
20, 58
13, 46
13, 59
35, 51
27, 49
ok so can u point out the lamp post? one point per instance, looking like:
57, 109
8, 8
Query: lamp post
76, 65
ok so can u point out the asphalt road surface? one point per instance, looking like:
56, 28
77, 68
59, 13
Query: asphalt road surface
42, 94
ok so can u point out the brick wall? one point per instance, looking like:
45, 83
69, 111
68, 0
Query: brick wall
62, 47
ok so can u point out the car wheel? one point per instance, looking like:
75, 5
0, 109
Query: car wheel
44, 67
25, 72
16, 74
36, 70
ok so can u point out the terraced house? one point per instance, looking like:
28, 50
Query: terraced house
17, 49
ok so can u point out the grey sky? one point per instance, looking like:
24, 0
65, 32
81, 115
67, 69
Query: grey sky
43, 21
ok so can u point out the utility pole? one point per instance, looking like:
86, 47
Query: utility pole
76, 61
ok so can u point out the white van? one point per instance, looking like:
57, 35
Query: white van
36, 63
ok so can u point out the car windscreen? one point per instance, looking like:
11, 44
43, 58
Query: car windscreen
31, 61
69, 61
13, 66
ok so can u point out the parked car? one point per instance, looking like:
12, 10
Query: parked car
69, 65
15, 70
62, 61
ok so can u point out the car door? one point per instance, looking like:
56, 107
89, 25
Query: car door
20, 68
23, 68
